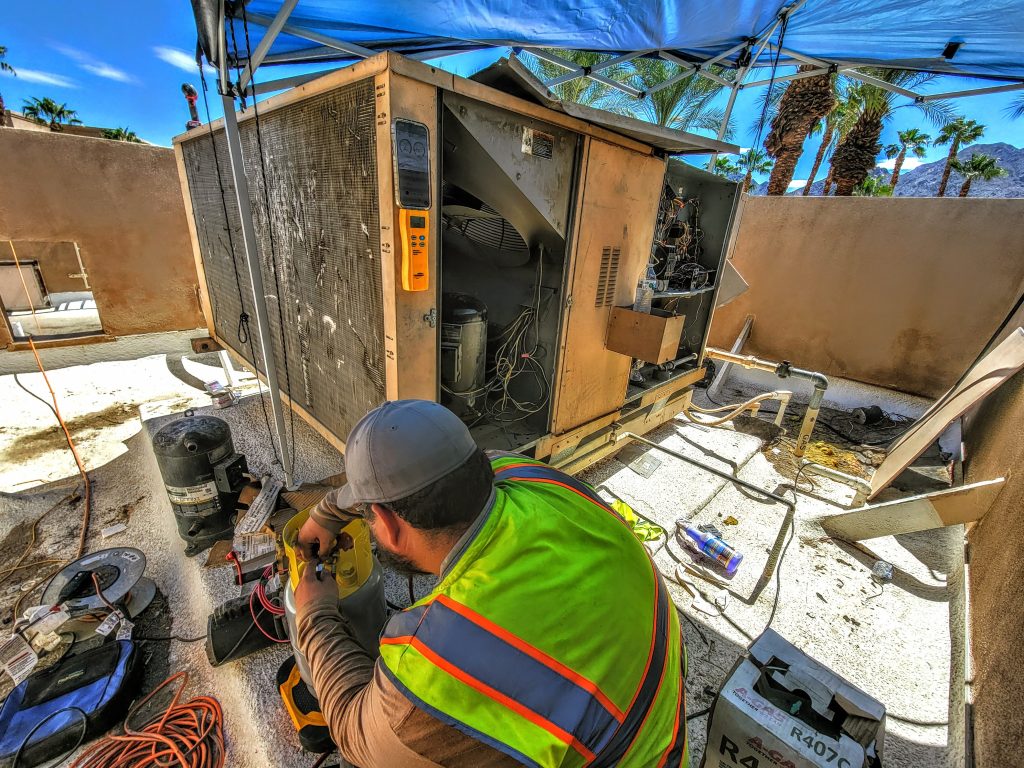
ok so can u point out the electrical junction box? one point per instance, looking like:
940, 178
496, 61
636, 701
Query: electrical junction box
779, 708
652, 337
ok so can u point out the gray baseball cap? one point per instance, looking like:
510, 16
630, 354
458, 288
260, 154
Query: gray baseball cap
399, 448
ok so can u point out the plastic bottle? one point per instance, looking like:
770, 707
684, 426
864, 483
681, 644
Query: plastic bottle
715, 548
645, 292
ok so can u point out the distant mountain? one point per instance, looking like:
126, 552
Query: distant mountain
923, 181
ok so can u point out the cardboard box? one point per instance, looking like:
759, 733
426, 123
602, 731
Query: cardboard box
653, 338
779, 708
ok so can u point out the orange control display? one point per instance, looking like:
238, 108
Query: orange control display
415, 233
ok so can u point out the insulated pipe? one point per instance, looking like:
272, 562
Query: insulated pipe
259, 293
753, 404
782, 395
780, 539
784, 370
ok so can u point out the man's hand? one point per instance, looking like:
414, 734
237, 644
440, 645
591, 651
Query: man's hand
312, 590
312, 533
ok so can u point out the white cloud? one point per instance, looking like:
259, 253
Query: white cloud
176, 58
797, 183
95, 66
908, 165
46, 78
110, 73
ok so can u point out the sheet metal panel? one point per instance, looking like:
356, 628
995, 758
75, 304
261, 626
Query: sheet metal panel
315, 211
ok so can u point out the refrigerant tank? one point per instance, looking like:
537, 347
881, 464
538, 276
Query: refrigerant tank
463, 346
203, 477
360, 587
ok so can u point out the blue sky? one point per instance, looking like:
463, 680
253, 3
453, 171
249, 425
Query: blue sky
126, 69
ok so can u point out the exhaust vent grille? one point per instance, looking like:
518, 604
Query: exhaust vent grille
608, 277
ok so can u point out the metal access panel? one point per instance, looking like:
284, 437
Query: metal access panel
316, 210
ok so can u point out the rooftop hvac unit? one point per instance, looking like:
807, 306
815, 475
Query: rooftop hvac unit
423, 235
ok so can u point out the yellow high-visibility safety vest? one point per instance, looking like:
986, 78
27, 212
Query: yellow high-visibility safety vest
552, 638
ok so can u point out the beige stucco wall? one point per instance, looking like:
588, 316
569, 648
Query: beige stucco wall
122, 204
994, 438
899, 292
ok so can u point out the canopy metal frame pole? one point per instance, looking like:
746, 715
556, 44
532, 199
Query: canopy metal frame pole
786, 78
259, 293
573, 75
762, 42
281, 84
315, 37
273, 30
580, 72
973, 92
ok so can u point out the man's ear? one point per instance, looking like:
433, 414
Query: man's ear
388, 529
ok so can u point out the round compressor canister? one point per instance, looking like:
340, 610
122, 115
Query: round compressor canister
203, 477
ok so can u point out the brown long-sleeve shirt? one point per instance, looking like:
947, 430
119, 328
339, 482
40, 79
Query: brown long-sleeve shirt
373, 723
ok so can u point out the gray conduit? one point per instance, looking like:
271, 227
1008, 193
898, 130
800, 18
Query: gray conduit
780, 539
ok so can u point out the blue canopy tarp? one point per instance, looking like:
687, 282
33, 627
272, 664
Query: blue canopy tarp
906, 34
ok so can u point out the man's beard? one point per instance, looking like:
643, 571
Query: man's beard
396, 562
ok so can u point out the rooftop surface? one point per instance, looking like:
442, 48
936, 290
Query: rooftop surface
901, 642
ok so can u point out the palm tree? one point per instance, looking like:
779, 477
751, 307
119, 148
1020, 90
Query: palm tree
48, 111
1016, 108
872, 186
956, 133
910, 140
803, 104
855, 156
977, 166
726, 168
843, 117
4, 67
121, 134
834, 128
581, 90
685, 104
754, 161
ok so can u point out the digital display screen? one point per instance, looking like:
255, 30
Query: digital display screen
418, 222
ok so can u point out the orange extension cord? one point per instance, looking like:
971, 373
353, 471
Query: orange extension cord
74, 452
186, 735
56, 409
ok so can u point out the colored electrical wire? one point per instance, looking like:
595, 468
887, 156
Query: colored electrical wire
187, 734
238, 566
261, 593
256, 620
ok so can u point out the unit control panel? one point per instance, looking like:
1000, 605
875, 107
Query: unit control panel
412, 192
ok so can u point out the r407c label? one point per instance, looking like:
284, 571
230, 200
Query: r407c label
755, 754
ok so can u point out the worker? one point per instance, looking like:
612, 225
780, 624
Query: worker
548, 640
